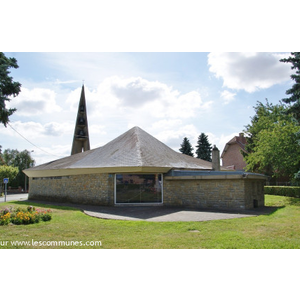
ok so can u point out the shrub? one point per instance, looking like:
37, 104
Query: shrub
45, 214
46, 217
4, 219
288, 191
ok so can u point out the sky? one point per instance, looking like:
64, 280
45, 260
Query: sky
174, 69
170, 95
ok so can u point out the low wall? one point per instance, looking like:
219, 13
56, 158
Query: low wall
95, 189
214, 192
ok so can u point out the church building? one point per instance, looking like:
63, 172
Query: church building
137, 169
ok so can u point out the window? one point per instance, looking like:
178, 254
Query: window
50, 178
138, 188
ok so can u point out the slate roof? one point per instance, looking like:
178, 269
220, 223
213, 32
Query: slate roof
134, 148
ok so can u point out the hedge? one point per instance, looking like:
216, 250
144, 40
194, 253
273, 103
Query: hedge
289, 191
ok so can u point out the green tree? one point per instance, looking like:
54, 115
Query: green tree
294, 92
264, 114
22, 160
7, 172
2, 162
204, 148
8, 87
186, 147
272, 142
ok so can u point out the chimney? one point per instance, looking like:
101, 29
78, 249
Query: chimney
216, 159
242, 138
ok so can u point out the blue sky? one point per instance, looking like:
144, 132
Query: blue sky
168, 94
174, 69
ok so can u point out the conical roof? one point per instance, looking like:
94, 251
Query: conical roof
133, 151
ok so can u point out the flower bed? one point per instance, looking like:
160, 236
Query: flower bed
20, 216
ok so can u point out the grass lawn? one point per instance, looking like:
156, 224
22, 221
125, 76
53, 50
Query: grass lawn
280, 229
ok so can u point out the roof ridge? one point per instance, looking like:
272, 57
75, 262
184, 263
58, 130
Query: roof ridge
138, 144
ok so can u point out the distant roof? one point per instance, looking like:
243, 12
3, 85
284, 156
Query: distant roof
133, 151
239, 140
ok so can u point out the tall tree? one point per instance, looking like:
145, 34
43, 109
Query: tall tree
8, 87
204, 148
294, 92
186, 147
22, 160
264, 114
272, 142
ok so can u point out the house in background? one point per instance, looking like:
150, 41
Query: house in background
232, 158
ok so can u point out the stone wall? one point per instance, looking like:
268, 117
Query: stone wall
236, 194
215, 192
95, 189
254, 193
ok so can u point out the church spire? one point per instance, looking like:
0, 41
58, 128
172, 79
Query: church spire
81, 141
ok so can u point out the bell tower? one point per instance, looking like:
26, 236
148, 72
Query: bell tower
81, 141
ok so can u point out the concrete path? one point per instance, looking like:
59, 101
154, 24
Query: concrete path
164, 214
15, 197
157, 213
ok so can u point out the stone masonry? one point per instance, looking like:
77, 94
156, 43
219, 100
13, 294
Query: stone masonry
95, 189
232, 192
236, 194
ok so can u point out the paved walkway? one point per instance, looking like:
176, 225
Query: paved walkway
15, 197
162, 214
155, 213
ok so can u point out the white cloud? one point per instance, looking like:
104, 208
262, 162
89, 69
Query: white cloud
35, 130
172, 132
116, 105
137, 91
134, 101
49, 141
34, 102
57, 129
45, 154
249, 71
137, 99
185, 106
228, 96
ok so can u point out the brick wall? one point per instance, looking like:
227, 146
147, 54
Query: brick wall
233, 156
88, 189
